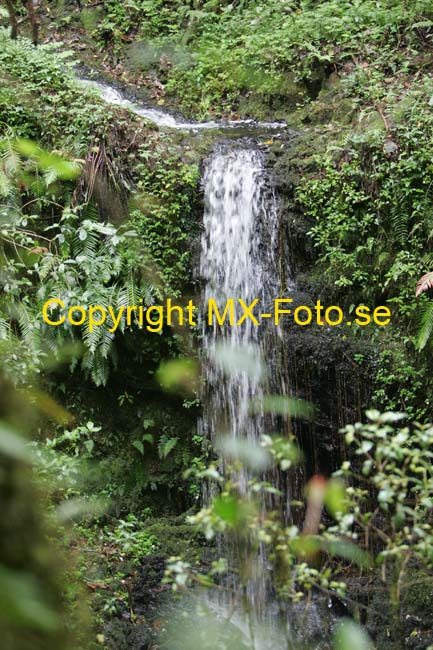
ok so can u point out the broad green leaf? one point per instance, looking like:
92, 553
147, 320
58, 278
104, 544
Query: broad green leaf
63, 169
22, 602
229, 509
169, 446
285, 406
13, 445
178, 375
335, 497
236, 360
348, 551
254, 456
139, 445
89, 445
351, 636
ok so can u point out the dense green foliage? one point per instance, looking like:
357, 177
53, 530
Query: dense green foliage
370, 202
47, 105
214, 55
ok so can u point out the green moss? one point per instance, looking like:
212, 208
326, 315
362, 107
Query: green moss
177, 538
418, 595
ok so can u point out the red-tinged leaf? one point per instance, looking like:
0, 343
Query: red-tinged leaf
424, 284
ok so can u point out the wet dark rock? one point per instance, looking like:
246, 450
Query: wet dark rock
148, 600
147, 588
124, 635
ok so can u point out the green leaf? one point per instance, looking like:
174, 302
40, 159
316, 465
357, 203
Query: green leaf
169, 446
253, 456
351, 636
347, 550
178, 375
335, 497
89, 445
62, 168
22, 602
236, 360
426, 327
12, 445
139, 445
228, 509
285, 406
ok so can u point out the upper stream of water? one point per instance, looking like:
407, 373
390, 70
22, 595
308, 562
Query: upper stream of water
164, 119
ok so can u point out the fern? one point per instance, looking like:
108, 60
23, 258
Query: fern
400, 224
5, 184
426, 327
100, 370
10, 164
47, 265
5, 329
26, 324
166, 445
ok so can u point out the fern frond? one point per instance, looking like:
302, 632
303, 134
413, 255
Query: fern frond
50, 176
106, 344
5, 184
5, 329
85, 243
100, 370
400, 225
426, 326
25, 325
46, 265
427, 260
9, 156
92, 339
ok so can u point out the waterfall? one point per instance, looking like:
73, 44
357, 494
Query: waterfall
239, 260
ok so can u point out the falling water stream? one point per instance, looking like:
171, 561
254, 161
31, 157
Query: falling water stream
238, 260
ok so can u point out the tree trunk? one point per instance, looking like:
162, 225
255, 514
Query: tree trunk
33, 20
12, 18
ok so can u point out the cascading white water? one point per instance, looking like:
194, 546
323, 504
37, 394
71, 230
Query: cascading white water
238, 260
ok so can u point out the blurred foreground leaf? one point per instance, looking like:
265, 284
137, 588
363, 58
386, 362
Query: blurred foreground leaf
285, 406
22, 603
13, 445
335, 497
350, 636
77, 508
47, 405
58, 167
178, 376
253, 456
348, 551
232, 510
236, 360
